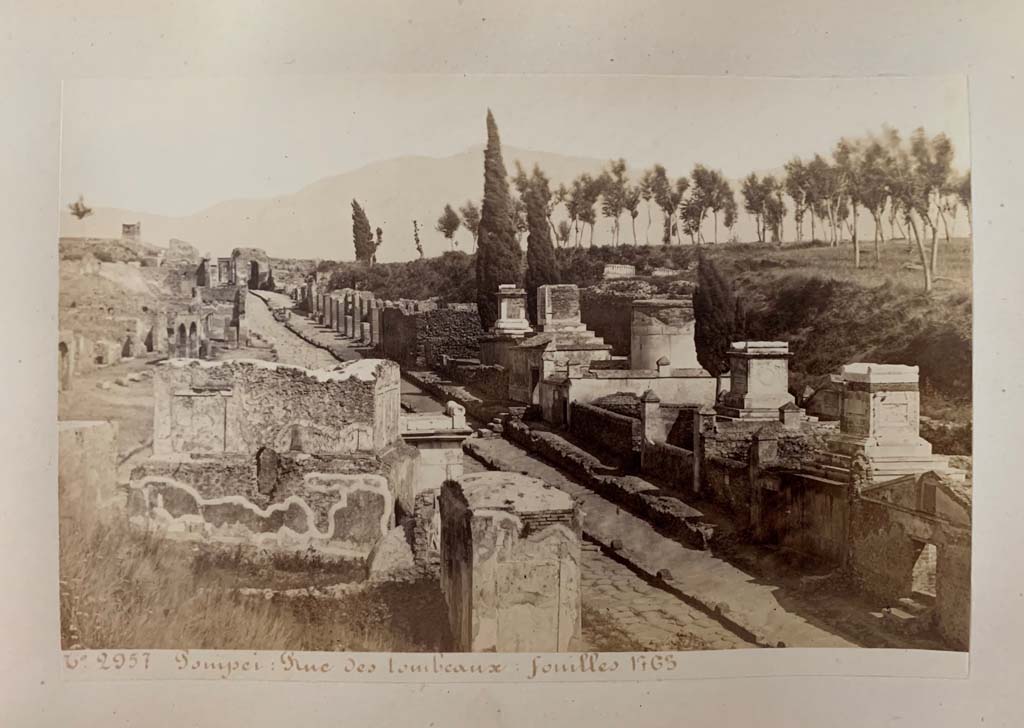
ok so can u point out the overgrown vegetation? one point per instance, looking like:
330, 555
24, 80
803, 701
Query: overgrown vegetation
127, 590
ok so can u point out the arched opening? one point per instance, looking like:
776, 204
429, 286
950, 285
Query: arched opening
254, 275
64, 366
181, 345
193, 341
924, 570
128, 348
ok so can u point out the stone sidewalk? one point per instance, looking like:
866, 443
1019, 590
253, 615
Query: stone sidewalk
697, 576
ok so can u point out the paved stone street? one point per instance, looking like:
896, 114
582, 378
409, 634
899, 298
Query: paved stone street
650, 616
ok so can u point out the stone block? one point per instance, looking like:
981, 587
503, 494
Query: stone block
87, 469
510, 564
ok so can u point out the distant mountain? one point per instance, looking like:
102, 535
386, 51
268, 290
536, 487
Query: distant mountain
316, 221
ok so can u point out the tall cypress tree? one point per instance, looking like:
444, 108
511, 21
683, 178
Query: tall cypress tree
362, 237
714, 312
541, 265
498, 254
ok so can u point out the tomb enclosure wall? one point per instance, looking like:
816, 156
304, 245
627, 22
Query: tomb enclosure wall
241, 406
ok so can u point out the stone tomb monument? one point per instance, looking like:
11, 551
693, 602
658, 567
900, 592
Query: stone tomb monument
758, 380
662, 328
511, 327
510, 564
880, 423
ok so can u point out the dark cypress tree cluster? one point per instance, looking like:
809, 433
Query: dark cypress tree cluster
541, 265
362, 236
715, 312
498, 254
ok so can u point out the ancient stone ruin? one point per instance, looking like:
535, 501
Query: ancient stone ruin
272, 455
510, 564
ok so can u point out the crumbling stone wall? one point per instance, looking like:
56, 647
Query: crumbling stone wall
672, 465
606, 431
340, 506
424, 338
243, 405
488, 381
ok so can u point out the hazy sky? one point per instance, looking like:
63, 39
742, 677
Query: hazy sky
176, 147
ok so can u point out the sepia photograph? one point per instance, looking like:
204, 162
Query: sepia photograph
515, 364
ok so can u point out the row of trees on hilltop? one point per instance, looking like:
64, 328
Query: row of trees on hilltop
907, 187
909, 183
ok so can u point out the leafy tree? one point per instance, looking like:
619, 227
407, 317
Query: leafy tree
498, 253
710, 191
564, 231
79, 209
362, 237
775, 207
448, 223
762, 198
471, 218
753, 202
632, 204
416, 237
541, 264
668, 196
715, 319
825, 195
585, 192
730, 214
933, 168
647, 194
875, 187
797, 184
849, 165
614, 187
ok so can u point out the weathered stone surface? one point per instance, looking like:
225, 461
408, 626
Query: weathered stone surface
87, 469
510, 564
243, 405
392, 557
662, 327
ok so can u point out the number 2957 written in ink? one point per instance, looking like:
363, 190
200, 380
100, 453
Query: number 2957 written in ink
117, 661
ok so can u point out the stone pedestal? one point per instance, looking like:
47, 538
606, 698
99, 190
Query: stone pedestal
510, 564
662, 328
512, 319
758, 380
880, 422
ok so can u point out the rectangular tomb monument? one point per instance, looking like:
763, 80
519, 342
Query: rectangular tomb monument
510, 564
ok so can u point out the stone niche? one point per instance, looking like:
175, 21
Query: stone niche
662, 328
758, 380
880, 422
242, 405
510, 564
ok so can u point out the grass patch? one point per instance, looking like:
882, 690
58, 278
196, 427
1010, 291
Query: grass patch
121, 589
